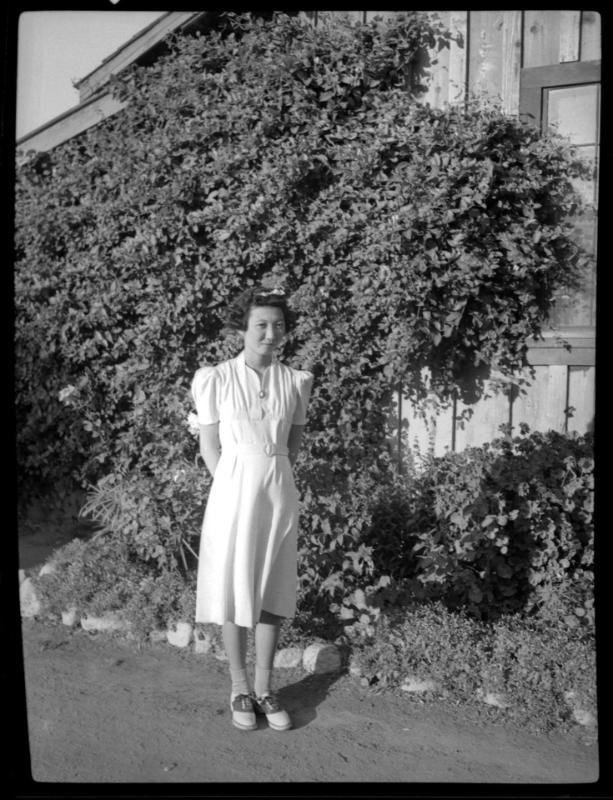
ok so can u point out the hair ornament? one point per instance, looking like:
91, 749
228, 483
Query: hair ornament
278, 291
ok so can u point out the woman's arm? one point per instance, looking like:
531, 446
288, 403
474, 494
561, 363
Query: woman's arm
210, 446
293, 442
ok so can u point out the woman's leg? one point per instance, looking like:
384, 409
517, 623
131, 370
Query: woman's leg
266, 638
235, 643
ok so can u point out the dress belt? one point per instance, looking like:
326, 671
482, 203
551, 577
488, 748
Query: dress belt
257, 449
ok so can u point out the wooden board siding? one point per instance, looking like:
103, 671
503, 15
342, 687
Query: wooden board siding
557, 37
432, 435
582, 351
543, 406
70, 124
554, 390
494, 58
457, 61
484, 425
541, 38
590, 49
570, 35
581, 391
447, 83
134, 48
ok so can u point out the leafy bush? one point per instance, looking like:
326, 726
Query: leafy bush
533, 663
550, 566
94, 577
504, 527
267, 150
159, 601
155, 515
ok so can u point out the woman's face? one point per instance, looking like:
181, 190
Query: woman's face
265, 331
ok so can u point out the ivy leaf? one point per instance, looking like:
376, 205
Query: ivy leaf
475, 594
346, 613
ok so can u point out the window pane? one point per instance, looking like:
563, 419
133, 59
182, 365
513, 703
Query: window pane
587, 186
573, 112
579, 308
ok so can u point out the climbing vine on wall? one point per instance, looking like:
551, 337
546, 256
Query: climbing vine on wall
266, 150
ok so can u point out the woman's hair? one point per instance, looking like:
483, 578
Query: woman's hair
237, 315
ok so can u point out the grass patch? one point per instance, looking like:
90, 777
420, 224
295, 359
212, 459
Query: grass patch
533, 662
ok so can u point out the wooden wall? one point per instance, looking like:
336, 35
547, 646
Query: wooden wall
497, 46
560, 397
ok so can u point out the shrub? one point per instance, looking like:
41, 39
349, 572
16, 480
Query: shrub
157, 515
502, 529
94, 577
157, 602
508, 526
264, 151
533, 663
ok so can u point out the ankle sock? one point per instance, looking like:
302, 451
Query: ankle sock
240, 684
261, 684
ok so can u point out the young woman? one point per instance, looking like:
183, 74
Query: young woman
251, 411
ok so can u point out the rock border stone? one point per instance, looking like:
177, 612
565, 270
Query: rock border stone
29, 602
70, 617
496, 699
203, 642
418, 685
581, 714
49, 568
180, 635
320, 658
288, 658
108, 622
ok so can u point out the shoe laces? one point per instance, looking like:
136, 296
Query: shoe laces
270, 702
242, 702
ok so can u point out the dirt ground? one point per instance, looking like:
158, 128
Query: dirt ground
102, 710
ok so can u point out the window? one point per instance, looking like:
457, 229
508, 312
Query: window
566, 97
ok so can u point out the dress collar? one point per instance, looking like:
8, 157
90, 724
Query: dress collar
241, 360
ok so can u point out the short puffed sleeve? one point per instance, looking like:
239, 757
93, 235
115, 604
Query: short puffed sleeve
304, 384
205, 392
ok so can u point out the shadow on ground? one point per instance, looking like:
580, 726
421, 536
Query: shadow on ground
302, 698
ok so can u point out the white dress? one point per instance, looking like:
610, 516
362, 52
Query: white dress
248, 546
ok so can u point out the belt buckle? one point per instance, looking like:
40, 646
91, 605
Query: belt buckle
268, 449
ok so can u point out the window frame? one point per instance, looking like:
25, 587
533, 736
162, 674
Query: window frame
534, 80
533, 85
